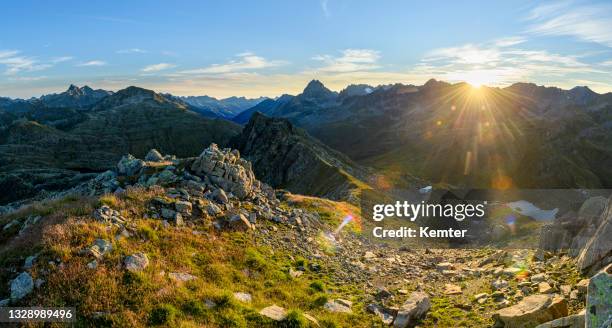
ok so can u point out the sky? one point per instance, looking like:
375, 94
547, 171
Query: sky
268, 48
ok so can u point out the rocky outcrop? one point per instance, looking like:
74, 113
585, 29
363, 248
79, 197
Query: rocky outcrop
287, 157
584, 235
598, 250
225, 169
599, 299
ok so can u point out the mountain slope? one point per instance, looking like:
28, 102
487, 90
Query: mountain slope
133, 120
287, 157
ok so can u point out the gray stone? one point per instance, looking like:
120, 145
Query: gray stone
274, 312
383, 313
415, 308
220, 196
338, 305
129, 165
532, 311
136, 262
183, 207
243, 297
571, 321
181, 276
5, 302
29, 262
154, 156
21, 286
167, 213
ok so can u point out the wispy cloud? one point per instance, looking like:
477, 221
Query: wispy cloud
131, 51
157, 67
510, 41
496, 63
92, 63
592, 23
16, 63
246, 61
351, 60
58, 60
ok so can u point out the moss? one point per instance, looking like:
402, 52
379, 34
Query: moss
294, 319
317, 285
163, 314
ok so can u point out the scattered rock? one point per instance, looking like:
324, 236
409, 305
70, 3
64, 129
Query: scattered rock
450, 289
295, 273
384, 314
499, 284
93, 264
531, 311
136, 262
129, 165
544, 288
413, 309
540, 277
239, 222
183, 207
571, 321
243, 297
181, 277
220, 196
29, 262
339, 305
154, 156
445, 266
21, 286
274, 312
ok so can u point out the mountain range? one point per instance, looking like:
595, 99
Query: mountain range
521, 136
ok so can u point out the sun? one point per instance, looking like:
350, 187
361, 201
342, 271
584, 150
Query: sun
478, 78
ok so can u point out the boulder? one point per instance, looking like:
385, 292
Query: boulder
274, 312
414, 309
239, 222
129, 165
597, 252
531, 311
136, 262
338, 305
154, 156
599, 300
571, 321
21, 286
383, 313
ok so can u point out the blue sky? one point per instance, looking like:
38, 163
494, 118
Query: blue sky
267, 48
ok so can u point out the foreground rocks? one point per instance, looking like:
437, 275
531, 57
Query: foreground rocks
599, 299
21, 286
532, 311
412, 310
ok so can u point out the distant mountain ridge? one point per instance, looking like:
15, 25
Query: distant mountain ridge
226, 107
537, 136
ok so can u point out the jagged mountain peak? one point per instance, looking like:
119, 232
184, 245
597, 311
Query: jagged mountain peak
316, 90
